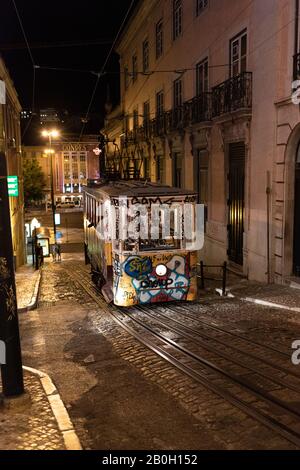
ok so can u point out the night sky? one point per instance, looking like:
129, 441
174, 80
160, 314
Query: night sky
62, 24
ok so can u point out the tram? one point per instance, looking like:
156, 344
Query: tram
137, 270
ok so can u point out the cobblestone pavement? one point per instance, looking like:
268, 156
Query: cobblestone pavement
29, 424
26, 278
120, 395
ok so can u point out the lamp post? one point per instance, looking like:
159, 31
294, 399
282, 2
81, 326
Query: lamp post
51, 134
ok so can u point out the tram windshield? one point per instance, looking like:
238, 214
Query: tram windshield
157, 231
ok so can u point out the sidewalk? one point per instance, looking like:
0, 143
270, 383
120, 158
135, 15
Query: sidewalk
278, 296
38, 420
28, 423
27, 285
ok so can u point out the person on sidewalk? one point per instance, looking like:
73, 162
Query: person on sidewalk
54, 253
58, 251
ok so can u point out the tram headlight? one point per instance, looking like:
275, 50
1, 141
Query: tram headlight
161, 270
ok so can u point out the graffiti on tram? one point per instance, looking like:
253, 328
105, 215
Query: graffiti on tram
137, 281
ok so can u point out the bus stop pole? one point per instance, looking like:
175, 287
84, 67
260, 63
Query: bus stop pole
11, 369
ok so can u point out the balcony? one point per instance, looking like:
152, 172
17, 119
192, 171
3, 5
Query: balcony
296, 68
232, 95
198, 109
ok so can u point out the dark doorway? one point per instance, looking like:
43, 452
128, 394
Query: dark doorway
236, 201
297, 218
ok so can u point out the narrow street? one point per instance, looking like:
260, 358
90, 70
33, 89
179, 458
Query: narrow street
122, 395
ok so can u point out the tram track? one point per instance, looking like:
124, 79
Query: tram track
216, 339
276, 414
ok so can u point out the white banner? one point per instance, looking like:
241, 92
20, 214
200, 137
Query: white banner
2, 92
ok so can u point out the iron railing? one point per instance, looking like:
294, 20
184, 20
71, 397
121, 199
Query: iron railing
232, 95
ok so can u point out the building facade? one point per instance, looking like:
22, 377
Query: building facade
73, 164
206, 93
10, 144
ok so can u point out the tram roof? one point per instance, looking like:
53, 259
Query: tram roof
136, 189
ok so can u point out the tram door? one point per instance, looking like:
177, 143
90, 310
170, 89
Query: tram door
297, 221
236, 201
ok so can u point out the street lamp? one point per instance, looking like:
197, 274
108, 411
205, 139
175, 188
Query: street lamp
51, 134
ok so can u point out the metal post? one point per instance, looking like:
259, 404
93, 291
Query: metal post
202, 275
224, 278
11, 371
52, 188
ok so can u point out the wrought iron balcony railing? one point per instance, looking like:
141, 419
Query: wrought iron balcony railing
296, 68
198, 109
232, 95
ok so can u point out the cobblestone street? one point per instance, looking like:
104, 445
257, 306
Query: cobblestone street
121, 395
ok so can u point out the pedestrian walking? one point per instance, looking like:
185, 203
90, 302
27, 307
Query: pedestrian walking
54, 253
58, 252
39, 256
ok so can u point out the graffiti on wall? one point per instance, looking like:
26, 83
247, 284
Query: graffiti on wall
137, 279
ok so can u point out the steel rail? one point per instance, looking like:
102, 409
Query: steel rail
185, 334
265, 419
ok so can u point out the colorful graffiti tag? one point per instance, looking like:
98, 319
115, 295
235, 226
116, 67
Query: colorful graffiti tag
151, 288
137, 267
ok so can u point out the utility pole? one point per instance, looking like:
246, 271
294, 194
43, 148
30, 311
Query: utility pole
11, 371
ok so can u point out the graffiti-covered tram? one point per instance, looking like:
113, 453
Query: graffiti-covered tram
139, 270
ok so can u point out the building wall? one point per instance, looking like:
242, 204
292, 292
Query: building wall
10, 142
269, 128
69, 148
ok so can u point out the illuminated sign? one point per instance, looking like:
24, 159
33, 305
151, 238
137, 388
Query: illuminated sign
57, 219
13, 186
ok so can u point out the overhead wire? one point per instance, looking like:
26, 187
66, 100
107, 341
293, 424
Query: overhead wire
104, 66
33, 68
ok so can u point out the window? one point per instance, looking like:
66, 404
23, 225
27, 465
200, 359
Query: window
126, 78
202, 84
177, 93
177, 170
201, 178
177, 18
135, 119
238, 54
159, 34
159, 169
146, 169
200, 6
160, 103
145, 56
146, 113
134, 68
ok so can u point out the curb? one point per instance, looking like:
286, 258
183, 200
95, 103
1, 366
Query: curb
35, 296
266, 303
59, 410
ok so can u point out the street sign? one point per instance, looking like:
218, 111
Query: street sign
57, 219
13, 186
2, 92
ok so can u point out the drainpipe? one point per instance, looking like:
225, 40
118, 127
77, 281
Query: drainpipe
296, 45
268, 194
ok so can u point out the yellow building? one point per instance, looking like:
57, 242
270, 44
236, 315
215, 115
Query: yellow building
10, 144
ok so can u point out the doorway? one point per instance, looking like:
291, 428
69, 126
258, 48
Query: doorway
296, 260
236, 202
